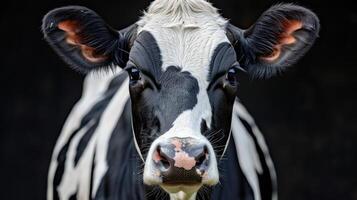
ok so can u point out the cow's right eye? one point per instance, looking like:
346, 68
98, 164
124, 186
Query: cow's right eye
134, 74
232, 76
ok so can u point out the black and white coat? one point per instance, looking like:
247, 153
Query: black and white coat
168, 81
95, 155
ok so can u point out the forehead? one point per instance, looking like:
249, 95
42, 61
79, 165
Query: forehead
195, 44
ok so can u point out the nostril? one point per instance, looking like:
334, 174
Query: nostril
202, 158
163, 162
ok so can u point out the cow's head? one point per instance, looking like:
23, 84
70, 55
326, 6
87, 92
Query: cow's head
182, 58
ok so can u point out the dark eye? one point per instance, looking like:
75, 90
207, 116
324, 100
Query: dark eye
232, 76
134, 74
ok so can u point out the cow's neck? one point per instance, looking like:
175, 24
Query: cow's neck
183, 196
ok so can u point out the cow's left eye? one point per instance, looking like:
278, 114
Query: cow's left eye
232, 76
134, 74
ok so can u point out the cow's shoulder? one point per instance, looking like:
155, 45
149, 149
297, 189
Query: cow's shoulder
85, 135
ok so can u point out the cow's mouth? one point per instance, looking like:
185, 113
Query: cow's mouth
181, 161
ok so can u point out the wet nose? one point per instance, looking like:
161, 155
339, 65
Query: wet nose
181, 160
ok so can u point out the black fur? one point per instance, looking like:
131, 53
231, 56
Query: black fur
221, 96
233, 184
154, 111
223, 58
122, 180
93, 32
146, 55
162, 96
258, 41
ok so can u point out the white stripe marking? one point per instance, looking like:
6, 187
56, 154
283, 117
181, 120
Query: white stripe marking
69, 183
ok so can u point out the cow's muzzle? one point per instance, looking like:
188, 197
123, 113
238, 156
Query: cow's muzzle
181, 161
181, 164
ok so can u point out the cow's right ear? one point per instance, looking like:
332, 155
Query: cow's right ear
84, 40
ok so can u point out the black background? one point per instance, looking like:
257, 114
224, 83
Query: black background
308, 115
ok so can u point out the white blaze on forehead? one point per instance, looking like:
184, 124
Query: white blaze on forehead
187, 33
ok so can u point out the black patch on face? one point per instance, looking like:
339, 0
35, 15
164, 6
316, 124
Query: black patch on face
146, 55
178, 93
223, 58
221, 99
154, 111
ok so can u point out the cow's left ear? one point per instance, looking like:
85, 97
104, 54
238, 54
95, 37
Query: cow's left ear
283, 34
83, 39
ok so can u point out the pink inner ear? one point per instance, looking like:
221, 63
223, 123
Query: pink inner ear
290, 27
72, 30
286, 38
73, 37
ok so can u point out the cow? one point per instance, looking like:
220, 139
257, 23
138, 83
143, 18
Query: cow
159, 116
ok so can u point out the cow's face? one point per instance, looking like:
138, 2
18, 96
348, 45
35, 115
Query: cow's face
182, 87
183, 82
182, 59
